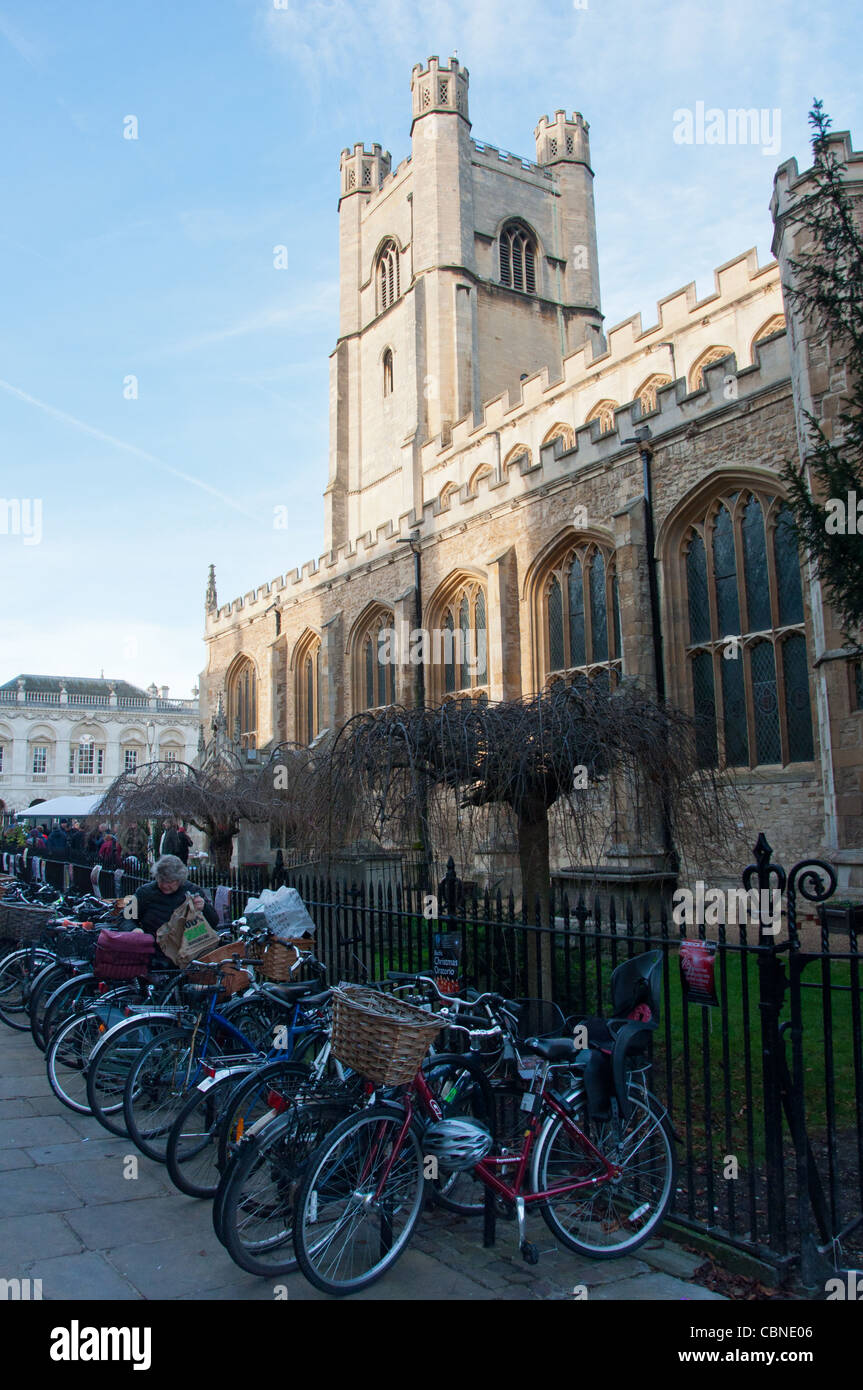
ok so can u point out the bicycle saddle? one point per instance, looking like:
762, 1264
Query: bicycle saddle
551, 1049
291, 994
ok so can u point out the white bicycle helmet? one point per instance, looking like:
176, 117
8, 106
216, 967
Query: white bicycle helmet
457, 1143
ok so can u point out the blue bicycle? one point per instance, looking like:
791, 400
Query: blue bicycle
190, 1051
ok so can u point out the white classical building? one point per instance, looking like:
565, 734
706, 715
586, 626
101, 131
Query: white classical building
70, 735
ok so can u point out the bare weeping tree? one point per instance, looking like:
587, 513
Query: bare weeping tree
215, 797
593, 755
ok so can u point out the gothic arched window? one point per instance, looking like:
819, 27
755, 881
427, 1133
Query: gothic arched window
388, 372
517, 258
748, 669
309, 690
374, 656
387, 275
706, 359
646, 393
243, 703
603, 411
579, 617
459, 639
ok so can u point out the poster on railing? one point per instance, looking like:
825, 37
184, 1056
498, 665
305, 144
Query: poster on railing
698, 972
446, 961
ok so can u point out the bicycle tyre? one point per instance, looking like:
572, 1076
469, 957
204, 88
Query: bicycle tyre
18, 970
259, 1198
248, 1103
67, 1057
593, 1219
71, 997
49, 980
192, 1150
356, 1153
158, 1081
110, 1063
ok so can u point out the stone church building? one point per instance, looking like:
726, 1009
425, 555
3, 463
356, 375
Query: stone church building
534, 469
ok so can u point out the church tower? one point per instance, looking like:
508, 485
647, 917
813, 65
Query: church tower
462, 271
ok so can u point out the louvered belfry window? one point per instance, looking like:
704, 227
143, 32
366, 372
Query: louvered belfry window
746, 648
388, 276
517, 258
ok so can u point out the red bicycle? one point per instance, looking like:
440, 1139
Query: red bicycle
602, 1184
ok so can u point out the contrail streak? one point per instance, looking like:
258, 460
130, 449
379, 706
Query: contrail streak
127, 448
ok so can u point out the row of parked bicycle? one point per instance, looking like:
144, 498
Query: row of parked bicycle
320, 1120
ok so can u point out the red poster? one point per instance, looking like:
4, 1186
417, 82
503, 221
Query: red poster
698, 972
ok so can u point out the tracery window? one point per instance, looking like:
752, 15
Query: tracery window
243, 703
517, 258
603, 411
309, 689
580, 615
374, 662
387, 275
563, 432
707, 357
459, 640
748, 667
646, 393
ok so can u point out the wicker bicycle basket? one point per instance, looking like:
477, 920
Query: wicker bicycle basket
24, 923
379, 1036
232, 980
273, 959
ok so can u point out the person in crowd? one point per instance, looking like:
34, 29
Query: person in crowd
110, 852
76, 842
185, 842
168, 828
157, 901
40, 843
58, 841
95, 839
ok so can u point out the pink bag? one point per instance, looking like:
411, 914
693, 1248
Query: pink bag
123, 955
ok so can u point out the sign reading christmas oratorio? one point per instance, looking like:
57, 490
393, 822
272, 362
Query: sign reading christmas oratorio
698, 972
446, 956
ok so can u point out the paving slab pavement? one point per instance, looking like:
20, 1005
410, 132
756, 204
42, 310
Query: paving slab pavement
69, 1217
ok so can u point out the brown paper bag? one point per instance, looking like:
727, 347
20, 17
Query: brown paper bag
187, 935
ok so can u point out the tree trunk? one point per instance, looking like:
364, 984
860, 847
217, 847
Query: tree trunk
221, 847
533, 857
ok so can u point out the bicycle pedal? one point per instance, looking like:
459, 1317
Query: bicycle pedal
529, 1253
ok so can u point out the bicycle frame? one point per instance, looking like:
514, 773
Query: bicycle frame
543, 1101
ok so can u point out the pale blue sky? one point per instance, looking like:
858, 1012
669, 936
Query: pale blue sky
155, 257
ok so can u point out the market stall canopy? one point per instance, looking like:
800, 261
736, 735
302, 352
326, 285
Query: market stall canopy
62, 806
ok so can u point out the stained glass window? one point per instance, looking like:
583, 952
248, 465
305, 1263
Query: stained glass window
787, 562
765, 703
555, 625
705, 709
696, 575
734, 704
725, 573
462, 664
577, 652
598, 609
798, 713
755, 568
761, 713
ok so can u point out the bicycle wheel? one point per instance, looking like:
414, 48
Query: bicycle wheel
257, 1208
461, 1086
192, 1150
67, 1057
118, 1048
157, 1084
253, 1098
609, 1218
359, 1201
44, 986
18, 970
68, 999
